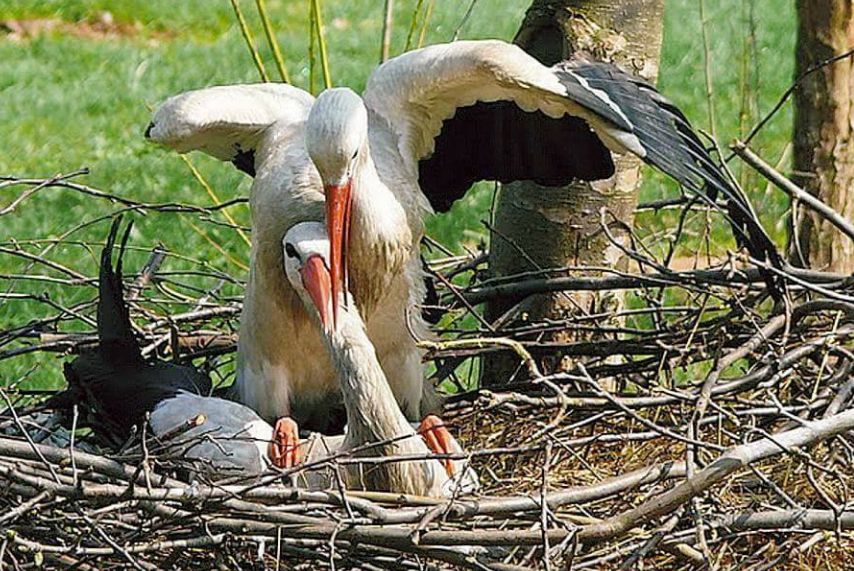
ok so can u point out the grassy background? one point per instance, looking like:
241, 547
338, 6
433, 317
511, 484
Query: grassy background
69, 100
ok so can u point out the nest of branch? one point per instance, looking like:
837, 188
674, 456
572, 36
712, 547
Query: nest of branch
701, 425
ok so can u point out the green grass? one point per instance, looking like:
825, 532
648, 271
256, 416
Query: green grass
68, 102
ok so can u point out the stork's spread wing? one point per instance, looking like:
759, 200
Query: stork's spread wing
228, 121
477, 110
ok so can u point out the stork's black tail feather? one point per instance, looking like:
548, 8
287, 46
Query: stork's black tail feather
671, 145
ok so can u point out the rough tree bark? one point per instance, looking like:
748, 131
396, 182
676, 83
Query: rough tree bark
540, 227
824, 141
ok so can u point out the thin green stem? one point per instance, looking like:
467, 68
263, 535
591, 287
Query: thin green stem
250, 41
271, 39
413, 23
312, 60
321, 43
388, 19
425, 23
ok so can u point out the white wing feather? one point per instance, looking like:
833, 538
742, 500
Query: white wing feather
226, 119
415, 92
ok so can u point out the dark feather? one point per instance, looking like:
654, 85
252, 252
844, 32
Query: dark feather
113, 385
245, 161
499, 141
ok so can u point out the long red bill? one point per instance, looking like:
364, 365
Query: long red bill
338, 201
317, 282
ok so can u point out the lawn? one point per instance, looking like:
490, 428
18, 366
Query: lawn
73, 97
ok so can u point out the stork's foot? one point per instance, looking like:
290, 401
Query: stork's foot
284, 450
439, 440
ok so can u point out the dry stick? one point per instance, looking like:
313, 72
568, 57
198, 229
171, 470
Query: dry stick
25, 507
271, 39
726, 464
94, 192
730, 358
480, 343
250, 41
465, 19
794, 191
213, 195
12, 181
175, 490
149, 269
10, 448
788, 93
783, 519
147, 547
721, 277
44, 261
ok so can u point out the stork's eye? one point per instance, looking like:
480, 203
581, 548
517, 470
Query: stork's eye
291, 251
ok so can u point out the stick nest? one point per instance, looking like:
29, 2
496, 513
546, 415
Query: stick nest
698, 423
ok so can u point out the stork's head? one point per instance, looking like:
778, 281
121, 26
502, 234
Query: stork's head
306, 259
336, 136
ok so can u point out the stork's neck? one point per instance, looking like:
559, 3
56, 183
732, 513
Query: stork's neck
372, 411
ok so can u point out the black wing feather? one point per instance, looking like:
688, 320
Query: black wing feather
672, 146
499, 141
115, 335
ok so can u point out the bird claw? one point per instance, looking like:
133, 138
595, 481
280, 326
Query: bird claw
439, 440
284, 450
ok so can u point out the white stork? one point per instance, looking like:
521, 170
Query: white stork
235, 440
435, 120
373, 416
283, 370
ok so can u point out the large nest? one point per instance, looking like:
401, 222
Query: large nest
703, 424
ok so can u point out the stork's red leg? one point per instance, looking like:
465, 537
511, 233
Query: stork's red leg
284, 450
438, 439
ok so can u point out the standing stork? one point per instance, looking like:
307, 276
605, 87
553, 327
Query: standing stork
430, 123
435, 120
283, 370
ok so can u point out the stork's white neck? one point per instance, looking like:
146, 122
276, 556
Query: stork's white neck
372, 411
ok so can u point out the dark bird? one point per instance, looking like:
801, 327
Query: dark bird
113, 384
116, 388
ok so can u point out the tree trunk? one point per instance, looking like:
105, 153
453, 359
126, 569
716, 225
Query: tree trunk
824, 143
554, 227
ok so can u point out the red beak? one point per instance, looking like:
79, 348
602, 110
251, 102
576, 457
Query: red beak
316, 281
338, 204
